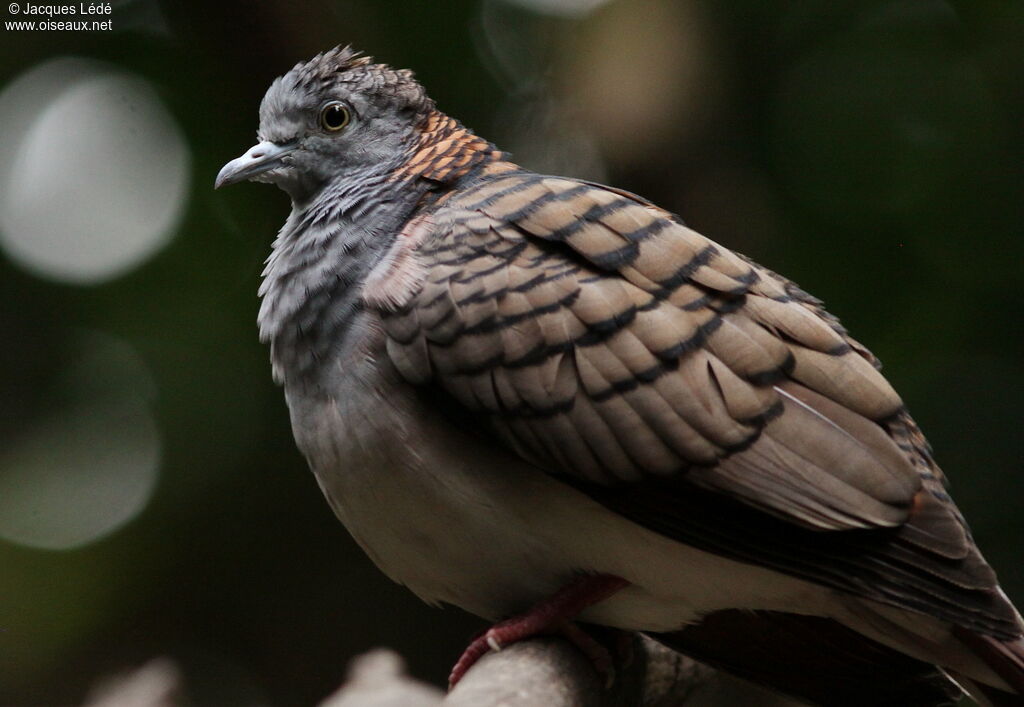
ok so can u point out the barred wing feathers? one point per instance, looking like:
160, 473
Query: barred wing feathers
609, 344
602, 338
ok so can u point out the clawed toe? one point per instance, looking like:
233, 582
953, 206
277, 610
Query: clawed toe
551, 616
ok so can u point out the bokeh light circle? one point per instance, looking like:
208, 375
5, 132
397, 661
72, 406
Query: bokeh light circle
78, 473
94, 174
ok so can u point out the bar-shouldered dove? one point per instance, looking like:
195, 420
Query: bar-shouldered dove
542, 399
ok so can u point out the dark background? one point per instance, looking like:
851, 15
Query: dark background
871, 151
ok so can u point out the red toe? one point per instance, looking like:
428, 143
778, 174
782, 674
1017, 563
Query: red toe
554, 614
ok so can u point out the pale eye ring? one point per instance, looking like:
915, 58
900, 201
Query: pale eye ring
334, 116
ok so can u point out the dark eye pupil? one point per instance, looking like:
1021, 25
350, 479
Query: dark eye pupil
335, 117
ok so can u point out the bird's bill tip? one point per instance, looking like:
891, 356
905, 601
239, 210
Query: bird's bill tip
258, 159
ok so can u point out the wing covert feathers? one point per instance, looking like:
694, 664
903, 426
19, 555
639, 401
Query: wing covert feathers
607, 343
605, 339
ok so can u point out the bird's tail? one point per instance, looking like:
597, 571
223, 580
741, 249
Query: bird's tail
814, 658
989, 668
1005, 658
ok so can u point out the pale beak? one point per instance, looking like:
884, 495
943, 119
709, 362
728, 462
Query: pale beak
259, 158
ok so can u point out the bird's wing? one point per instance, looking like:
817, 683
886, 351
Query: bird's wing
604, 339
609, 344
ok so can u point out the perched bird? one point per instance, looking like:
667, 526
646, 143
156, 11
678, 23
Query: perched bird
542, 399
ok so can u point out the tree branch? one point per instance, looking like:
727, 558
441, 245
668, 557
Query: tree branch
542, 671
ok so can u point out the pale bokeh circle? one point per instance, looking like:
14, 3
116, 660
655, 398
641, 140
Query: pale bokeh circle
94, 172
91, 465
78, 476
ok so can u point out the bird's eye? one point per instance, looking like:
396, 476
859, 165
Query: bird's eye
334, 117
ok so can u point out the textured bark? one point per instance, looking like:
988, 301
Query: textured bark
542, 671
549, 671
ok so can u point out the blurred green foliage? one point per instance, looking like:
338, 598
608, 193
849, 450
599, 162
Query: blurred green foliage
870, 150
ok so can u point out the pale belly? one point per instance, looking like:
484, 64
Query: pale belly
465, 523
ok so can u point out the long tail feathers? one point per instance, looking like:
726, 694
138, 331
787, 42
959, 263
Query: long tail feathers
1006, 658
814, 658
987, 696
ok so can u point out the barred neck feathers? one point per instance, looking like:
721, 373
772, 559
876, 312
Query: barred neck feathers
446, 152
312, 282
313, 279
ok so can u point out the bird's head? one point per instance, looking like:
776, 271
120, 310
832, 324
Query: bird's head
333, 117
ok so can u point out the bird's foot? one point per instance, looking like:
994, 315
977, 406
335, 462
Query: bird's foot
553, 615
598, 655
